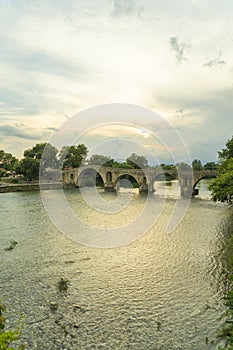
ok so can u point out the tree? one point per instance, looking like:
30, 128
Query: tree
222, 186
227, 152
7, 161
29, 168
196, 164
211, 166
137, 162
42, 154
183, 166
43, 151
98, 159
73, 156
167, 166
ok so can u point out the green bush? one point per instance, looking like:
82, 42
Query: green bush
14, 181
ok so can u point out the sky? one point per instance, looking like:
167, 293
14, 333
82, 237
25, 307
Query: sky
60, 57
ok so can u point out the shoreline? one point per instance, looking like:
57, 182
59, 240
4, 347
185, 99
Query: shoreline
6, 188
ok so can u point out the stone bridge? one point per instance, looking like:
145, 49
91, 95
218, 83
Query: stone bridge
145, 178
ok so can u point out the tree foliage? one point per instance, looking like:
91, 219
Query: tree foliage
183, 166
167, 166
137, 161
29, 168
98, 159
41, 154
227, 152
196, 164
7, 161
73, 156
222, 186
211, 166
44, 152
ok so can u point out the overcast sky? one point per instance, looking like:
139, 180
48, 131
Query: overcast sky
58, 57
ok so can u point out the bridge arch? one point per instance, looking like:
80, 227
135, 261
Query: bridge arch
207, 176
161, 183
89, 177
132, 179
164, 176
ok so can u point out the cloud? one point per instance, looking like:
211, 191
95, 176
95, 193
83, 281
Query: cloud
50, 128
9, 130
84, 56
179, 49
215, 62
125, 8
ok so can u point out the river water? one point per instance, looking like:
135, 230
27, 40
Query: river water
161, 292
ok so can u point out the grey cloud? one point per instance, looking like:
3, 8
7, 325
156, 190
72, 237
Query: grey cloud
215, 122
179, 49
125, 8
216, 62
50, 128
180, 111
9, 130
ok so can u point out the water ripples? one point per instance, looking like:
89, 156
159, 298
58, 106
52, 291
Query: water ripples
159, 292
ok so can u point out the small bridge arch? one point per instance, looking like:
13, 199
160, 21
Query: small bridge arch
130, 178
89, 177
209, 174
165, 176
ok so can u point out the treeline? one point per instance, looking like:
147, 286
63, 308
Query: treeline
73, 157
49, 157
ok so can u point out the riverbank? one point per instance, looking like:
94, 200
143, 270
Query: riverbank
28, 187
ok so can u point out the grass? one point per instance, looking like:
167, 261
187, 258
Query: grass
9, 336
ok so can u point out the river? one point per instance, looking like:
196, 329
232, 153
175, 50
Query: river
161, 292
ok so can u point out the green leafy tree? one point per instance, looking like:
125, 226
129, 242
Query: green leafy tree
122, 165
183, 166
196, 164
167, 166
98, 159
73, 156
45, 152
211, 166
29, 168
137, 161
227, 152
8, 161
41, 154
222, 187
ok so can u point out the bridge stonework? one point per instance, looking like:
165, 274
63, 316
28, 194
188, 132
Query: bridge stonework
144, 177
